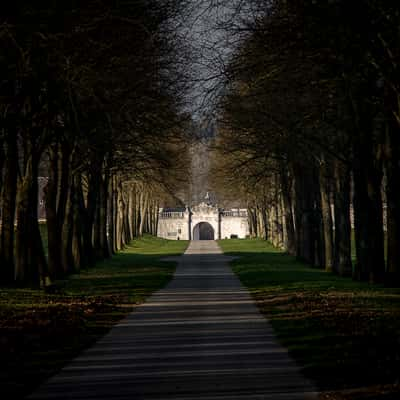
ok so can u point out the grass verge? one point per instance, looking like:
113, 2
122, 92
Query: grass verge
344, 334
39, 332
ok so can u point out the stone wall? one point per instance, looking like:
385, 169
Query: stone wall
237, 225
174, 226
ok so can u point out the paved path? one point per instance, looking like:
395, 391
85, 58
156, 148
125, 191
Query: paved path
200, 338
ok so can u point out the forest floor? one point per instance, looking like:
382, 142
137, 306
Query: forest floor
40, 333
344, 334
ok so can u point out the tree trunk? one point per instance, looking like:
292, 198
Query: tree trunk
104, 217
31, 267
90, 210
57, 193
370, 264
119, 218
304, 190
111, 214
130, 219
342, 237
67, 230
367, 177
290, 243
64, 188
155, 229
326, 219
143, 211
392, 276
100, 225
115, 214
86, 254
8, 207
276, 226
137, 212
252, 222
127, 233
133, 212
2, 162
318, 225
278, 213
262, 234
264, 224
53, 229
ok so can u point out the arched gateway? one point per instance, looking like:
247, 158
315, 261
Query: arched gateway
203, 231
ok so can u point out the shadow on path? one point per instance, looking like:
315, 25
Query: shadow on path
201, 337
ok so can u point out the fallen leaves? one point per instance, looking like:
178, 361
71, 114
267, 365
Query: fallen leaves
344, 339
386, 392
38, 333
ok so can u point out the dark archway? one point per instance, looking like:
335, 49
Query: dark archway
203, 231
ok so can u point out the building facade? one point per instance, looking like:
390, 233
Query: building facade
202, 222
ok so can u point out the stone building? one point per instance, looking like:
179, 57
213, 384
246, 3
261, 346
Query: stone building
202, 222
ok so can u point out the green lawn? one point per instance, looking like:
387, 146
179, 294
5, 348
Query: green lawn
345, 334
39, 332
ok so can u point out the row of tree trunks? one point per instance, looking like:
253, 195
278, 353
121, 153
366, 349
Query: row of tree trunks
89, 216
346, 123
65, 115
392, 169
308, 214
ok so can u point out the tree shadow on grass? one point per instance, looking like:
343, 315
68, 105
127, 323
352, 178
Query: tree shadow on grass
268, 269
41, 332
344, 334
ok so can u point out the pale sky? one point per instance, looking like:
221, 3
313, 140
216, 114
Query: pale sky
208, 33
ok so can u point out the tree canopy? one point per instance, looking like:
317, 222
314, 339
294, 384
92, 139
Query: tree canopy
309, 118
92, 99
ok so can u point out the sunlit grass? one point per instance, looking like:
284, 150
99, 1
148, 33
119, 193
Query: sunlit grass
344, 333
132, 274
40, 332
